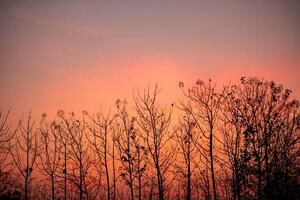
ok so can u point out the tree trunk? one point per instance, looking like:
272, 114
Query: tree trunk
212, 163
114, 171
80, 182
107, 176
52, 187
159, 177
188, 196
139, 178
65, 172
159, 182
161, 189
26, 185
259, 180
131, 186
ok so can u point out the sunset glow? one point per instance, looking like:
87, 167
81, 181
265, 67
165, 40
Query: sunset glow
80, 56
149, 100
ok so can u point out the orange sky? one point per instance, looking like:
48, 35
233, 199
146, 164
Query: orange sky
82, 55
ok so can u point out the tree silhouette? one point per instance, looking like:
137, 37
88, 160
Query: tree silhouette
238, 141
203, 104
65, 128
184, 137
25, 151
132, 151
50, 153
154, 123
79, 154
101, 127
262, 128
6, 136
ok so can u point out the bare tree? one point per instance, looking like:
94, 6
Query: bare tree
203, 104
25, 151
79, 153
231, 142
6, 134
50, 153
154, 122
185, 138
101, 127
132, 152
113, 156
232, 137
65, 129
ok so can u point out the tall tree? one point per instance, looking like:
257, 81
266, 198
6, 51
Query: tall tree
154, 122
50, 152
185, 138
101, 128
203, 104
25, 151
79, 158
6, 135
261, 137
65, 129
132, 151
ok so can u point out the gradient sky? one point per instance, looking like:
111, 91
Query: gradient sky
82, 54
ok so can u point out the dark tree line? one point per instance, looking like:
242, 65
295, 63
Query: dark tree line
236, 142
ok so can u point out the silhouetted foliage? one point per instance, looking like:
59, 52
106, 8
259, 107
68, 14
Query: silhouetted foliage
238, 142
262, 136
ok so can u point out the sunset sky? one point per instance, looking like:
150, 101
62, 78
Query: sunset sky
76, 55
